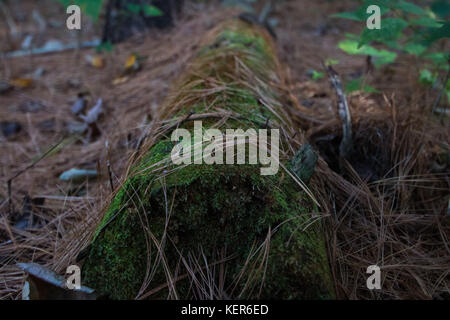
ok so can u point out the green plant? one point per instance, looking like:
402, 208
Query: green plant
406, 28
316, 75
92, 8
147, 9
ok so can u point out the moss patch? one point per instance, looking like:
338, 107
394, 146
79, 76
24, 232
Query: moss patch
229, 208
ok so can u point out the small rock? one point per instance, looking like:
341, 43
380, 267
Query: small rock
10, 128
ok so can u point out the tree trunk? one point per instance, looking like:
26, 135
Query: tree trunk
216, 230
123, 19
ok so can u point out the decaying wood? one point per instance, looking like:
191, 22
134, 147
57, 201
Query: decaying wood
169, 226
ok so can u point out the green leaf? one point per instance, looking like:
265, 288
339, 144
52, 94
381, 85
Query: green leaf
381, 56
355, 15
92, 8
353, 86
441, 8
415, 49
409, 8
437, 33
316, 75
439, 59
391, 29
370, 89
357, 85
426, 77
426, 22
152, 11
361, 13
331, 62
133, 8
105, 47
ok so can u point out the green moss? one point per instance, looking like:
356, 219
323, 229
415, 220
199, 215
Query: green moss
215, 210
246, 39
215, 207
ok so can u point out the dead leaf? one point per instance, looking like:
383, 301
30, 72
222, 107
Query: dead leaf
44, 284
120, 80
22, 82
131, 62
76, 175
94, 113
79, 105
96, 61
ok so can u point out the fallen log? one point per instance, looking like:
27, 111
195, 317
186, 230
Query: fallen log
196, 219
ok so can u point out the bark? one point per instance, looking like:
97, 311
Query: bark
216, 231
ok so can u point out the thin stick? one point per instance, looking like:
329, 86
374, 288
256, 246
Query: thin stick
346, 145
108, 165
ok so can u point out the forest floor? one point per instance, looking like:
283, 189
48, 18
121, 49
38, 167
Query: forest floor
45, 211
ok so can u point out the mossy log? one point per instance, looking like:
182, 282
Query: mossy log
215, 230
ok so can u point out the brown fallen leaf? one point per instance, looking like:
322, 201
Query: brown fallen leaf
131, 61
96, 61
120, 80
132, 64
21, 82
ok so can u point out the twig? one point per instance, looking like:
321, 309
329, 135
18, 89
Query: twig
108, 165
52, 48
346, 145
